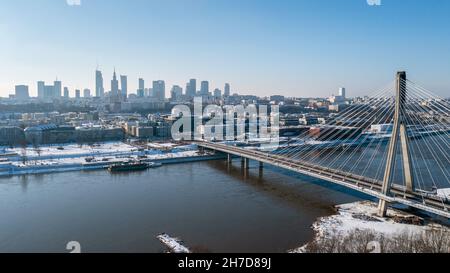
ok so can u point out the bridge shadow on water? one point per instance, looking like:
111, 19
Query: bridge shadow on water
294, 189
300, 191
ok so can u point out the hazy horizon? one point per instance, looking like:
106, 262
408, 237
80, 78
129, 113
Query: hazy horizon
292, 48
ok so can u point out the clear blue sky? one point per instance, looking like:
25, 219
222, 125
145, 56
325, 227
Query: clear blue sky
294, 48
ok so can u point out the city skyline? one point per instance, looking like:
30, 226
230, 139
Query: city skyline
179, 126
118, 88
355, 45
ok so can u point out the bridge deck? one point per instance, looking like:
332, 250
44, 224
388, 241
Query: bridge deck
372, 187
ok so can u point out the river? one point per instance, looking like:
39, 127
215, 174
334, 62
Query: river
212, 206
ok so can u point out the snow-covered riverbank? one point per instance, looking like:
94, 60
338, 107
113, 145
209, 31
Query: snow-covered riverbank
362, 217
65, 158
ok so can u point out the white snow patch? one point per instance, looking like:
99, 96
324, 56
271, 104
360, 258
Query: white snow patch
445, 193
363, 216
175, 245
71, 157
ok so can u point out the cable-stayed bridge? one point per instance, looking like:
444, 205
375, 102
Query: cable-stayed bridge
394, 146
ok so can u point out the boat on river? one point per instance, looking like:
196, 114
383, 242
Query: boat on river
132, 166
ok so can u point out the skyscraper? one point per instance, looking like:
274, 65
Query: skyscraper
191, 88
188, 90
77, 94
49, 91
99, 89
141, 88
66, 92
227, 90
22, 92
124, 86
57, 89
87, 93
217, 93
41, 89
204, 89
176, 93
342, 92
159, 90
114, 86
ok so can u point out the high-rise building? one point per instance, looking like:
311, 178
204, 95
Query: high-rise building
49, 91
148, 92
159, 90
124, 86
77, 93
204, 89
141, 87
99, 89
191, 88
217, 93
114, 86
227, 90
87, 93
188, 90
342, 92
22, 92
66, 92
41, 89
193, 85
57, 89
176, 93
340, 98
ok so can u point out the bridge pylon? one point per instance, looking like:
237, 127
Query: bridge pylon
399, 134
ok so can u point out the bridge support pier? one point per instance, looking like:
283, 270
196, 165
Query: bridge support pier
229, 158
261, 169
246, 163
382, 208
399, 134
245, 167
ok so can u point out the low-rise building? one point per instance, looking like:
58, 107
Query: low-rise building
52, 134
163, 131
10, 135
145, 132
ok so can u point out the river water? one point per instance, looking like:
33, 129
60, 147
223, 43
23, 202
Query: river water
212, 206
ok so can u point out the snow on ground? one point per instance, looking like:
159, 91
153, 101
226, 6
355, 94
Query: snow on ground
363, 216
444, 193
161, 145
71, 153
74, 149
174, 244
72, 157
351, 217
98, 158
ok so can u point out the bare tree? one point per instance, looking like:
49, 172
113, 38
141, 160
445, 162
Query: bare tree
36, 148
357, 241
23, 145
